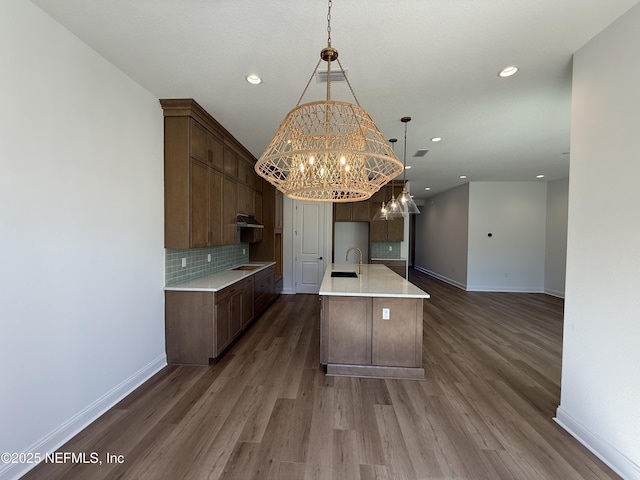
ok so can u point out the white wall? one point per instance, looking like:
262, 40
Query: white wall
556, 242
512, 259
600, 399
442, 235
81, 220
347, 235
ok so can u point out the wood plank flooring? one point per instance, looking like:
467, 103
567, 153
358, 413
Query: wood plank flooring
266, 410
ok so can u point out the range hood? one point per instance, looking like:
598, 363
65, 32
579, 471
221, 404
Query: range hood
248, 221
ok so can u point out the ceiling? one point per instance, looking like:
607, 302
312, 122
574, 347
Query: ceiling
434, 60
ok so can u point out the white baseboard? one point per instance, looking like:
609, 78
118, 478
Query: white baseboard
448, 280
82, 419
502, 289
602, 449
554, 293
288, 291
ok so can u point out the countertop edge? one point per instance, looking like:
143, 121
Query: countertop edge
375, 281
235, 277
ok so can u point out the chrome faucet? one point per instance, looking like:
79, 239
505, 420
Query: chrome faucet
346, 257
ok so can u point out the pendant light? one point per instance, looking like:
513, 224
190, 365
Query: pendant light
328, 151
394, 209
407, 204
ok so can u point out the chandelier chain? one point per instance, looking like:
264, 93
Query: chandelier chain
329, 24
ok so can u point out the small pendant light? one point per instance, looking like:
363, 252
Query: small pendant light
407, 205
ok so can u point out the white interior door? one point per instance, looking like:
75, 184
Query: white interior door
309, 238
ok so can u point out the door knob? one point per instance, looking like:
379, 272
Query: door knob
319, 258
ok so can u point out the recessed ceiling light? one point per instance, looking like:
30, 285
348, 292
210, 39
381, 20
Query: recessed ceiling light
427, 188
463, 176
408, 167
254, 79
508, 71
539, 176
436, 139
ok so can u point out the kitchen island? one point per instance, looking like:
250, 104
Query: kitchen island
371, 324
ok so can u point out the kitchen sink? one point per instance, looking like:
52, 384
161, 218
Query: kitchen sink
246, 267
344, 274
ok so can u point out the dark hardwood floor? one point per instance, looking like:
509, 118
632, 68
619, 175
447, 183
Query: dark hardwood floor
266, 410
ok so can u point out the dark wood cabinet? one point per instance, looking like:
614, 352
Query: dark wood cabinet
385, 230
264, 289
270, 246
351, 211
245, 200
230, 162
215, 153
204, 167
346, 341
278, 210
201, 325
229, 211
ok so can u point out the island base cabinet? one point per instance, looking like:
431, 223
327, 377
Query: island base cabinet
397, 332
378, 337
347, 330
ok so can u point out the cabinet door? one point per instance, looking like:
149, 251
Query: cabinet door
230, 163
215, 208
360, 211
198, 141
222, 327
235, 318
215, 152
247, 303
245, 199
198, 204
397, 341
395, 230
229, 211
342, 212
347, 330
278, 211
378, 231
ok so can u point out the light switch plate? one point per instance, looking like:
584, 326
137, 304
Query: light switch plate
386, 315
184, 262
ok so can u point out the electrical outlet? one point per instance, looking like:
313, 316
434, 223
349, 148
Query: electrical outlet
209, 257
391, 248
184, 262
244, 251
386, 314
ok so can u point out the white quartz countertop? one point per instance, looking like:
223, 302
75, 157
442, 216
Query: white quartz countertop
390, 259
219, 280
376, 280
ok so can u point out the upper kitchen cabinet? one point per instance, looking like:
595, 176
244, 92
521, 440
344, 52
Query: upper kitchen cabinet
385, 230
204, 167
351, 211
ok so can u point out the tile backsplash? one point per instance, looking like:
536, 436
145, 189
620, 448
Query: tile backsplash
198, 264
381, 249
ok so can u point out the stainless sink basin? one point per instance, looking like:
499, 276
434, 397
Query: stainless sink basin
246, 267
344, 274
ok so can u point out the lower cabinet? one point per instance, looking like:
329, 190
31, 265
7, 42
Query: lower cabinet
347, 330
228, 316
199, 326
264, 290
